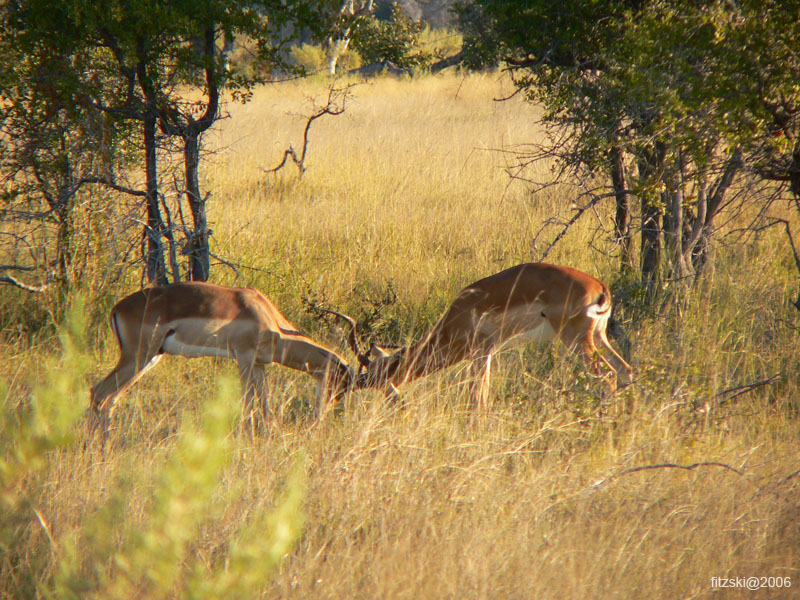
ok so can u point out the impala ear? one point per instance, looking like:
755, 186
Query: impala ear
376, 351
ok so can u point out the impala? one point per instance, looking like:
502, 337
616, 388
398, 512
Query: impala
200, 319
533, 302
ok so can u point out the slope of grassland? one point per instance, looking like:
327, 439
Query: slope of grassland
404, 202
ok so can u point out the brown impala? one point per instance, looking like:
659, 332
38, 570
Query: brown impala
533, 302
200, 319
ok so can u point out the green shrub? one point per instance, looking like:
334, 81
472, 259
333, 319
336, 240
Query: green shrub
395, 40
121, 555
141, 540
32, 431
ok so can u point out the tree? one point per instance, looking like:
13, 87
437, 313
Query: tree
343, 23
669, 98
53, 146
133, 67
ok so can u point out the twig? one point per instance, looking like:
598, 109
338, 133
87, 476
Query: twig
570, 223
690, 467
743, 389
795, 253
232, 266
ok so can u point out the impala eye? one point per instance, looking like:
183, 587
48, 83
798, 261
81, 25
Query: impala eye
544, 315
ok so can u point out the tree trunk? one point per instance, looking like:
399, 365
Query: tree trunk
198, 250
336, 48
672, 201
63, 209
699, 253
622, 215
794, 173
651, 243
64, 244
649, 165
154, 259
198, 243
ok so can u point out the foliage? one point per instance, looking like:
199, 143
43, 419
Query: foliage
116, 553
32, 431
672, 99
116, 556
89, 87
394, 40
309, 57
55, 142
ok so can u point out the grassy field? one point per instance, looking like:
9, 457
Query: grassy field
558, 491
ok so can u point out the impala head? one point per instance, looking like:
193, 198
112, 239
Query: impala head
376, 366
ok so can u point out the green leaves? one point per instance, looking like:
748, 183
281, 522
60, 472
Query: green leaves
46, 422
153, 552
150, 548
394, 40
690, 94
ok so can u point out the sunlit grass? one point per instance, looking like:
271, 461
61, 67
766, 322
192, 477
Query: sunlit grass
407, 192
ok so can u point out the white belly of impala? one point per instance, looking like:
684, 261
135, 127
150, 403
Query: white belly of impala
173, 346
541, 334
532, 326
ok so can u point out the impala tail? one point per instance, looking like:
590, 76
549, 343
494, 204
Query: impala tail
601, 307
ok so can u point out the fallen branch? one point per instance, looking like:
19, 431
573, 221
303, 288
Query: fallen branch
743, 389
690, 467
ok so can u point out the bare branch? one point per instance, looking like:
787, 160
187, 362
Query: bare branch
114, 186
335, 105
595, 199
37, 289
795, 253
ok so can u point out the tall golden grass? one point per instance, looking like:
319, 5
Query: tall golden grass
558, 491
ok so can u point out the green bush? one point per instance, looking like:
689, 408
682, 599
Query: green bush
112, 550
395, 40
120, 555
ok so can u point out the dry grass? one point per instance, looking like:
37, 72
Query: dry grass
532, 499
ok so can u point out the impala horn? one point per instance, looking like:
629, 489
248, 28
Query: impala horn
352, 339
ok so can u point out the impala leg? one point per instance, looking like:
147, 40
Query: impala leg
323, 397
304, 355
481, 381
581, 340
616, 361
104, 395
597, 364
329, 392
254, 384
